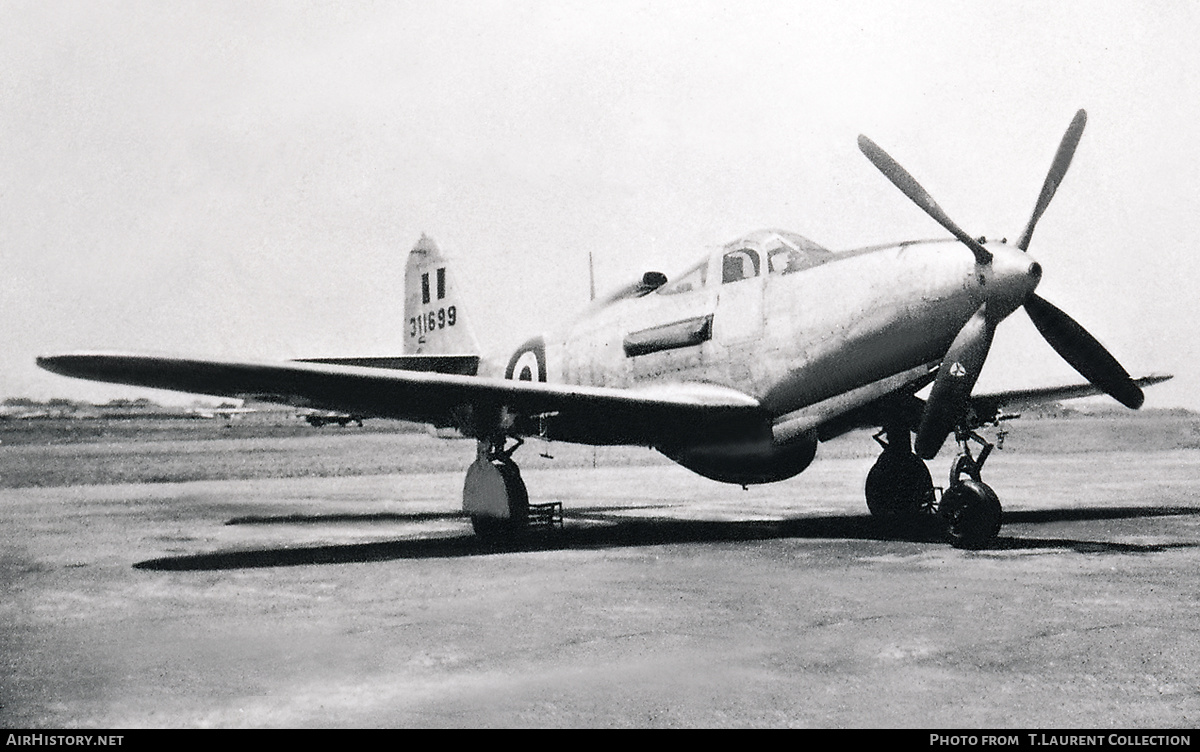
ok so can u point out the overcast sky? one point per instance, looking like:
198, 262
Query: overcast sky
245, 179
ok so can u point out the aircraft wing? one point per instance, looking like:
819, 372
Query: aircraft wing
868, 406
988, 406
581, 414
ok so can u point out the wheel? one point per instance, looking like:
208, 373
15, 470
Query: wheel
899, 485
518, 495
498, 529
972, 513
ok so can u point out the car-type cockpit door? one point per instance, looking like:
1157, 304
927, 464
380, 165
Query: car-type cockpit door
739, 312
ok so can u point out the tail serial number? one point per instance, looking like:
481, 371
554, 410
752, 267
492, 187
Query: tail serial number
427, 322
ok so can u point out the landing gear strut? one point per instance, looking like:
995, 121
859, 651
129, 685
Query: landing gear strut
494, 495
969, 506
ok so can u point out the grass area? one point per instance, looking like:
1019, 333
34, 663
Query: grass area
64, 452
145, 450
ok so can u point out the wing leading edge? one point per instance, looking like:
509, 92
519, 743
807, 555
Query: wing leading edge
870, 406
580, 414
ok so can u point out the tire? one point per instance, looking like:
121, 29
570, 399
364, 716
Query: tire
972, 513
899, 486
497, 529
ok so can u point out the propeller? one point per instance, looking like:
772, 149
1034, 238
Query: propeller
1058, 169
952, 388
892, 170
949, 397
1083, 352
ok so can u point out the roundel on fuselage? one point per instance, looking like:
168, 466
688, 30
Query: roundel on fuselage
528, 363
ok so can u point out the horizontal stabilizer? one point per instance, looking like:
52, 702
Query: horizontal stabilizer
463, 365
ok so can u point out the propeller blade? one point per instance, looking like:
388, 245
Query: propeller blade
1058, 170
955, 378
892, 170
1083, 352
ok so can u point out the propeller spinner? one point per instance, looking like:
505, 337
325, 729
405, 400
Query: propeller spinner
964, 360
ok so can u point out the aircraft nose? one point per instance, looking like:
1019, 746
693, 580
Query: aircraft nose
1026, 274
1016, 275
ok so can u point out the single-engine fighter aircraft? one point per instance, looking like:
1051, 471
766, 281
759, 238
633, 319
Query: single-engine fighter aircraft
736, 368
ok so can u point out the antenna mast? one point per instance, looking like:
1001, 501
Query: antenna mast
591, 276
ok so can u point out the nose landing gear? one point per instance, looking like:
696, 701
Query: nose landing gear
969, 506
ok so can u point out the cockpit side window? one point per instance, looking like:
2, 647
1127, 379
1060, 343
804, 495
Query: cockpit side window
785, 256
785, 260
692, 279
738, 265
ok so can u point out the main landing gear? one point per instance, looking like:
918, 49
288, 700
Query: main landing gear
898, 486
494, 495
900, 490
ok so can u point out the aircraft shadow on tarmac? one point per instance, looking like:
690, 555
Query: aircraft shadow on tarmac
323, 518
598, 528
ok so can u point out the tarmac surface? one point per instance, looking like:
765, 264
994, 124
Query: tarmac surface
666, 601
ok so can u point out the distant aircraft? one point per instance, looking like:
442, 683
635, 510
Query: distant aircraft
736, 368
220, 411
319, 418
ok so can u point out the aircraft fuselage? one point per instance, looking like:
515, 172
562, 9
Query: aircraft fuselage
792, 340
789, 338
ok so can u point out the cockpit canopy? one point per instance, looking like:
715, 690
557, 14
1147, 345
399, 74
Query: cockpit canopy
764, 251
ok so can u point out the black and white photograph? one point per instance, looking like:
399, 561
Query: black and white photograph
637, 364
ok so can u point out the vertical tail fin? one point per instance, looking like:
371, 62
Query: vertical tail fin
433, 307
